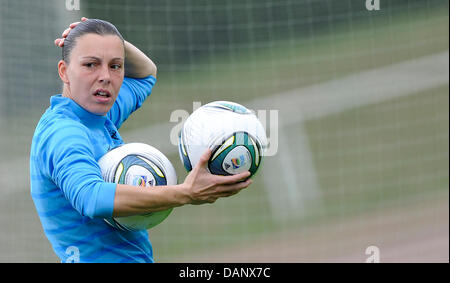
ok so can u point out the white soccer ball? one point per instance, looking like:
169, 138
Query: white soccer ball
234, 134
143, 166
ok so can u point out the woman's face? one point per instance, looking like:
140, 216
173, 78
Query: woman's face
95, 73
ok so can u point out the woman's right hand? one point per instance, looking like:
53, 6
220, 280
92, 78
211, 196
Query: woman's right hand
204, 187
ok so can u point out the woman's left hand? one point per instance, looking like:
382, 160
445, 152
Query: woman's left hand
60, 41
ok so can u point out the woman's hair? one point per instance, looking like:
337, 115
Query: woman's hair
95, 26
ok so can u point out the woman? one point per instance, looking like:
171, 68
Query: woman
105, 79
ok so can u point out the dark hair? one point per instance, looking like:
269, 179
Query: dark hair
95, 26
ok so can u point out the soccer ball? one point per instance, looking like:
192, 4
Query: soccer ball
143, 166
234, 134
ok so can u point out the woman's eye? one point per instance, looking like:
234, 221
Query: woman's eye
116, 66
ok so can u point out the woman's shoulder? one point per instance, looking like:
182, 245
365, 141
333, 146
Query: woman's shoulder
60, 123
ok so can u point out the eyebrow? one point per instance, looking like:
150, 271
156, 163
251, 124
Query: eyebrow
99, 59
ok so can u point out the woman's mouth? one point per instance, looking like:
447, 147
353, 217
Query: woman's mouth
102, 95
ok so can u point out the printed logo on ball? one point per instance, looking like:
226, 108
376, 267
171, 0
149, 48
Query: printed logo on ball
237, 160
140, 181
139, 176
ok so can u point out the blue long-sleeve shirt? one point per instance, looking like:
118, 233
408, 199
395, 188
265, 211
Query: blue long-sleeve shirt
71, 198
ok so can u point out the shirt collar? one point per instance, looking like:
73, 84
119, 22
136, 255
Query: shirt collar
59, 101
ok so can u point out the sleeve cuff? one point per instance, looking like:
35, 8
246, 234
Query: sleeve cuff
105, 200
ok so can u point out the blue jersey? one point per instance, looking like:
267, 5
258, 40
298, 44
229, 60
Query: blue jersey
67, 188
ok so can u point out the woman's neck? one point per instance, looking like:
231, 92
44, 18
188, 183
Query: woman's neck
66, 91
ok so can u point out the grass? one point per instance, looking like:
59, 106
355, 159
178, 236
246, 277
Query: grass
382, 152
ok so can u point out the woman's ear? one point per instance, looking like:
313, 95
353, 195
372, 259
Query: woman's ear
62, 71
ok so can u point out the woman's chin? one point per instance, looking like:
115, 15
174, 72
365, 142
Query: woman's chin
99, 109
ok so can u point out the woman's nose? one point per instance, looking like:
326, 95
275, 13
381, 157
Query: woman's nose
104, 76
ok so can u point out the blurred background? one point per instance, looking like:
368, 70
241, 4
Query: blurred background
362, 124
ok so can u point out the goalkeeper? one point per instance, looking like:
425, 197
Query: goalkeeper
105, 79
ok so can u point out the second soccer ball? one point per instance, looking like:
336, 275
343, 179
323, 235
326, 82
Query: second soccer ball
234, 134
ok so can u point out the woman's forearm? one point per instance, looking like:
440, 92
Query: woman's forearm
132, 200
199, 187
137, 64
